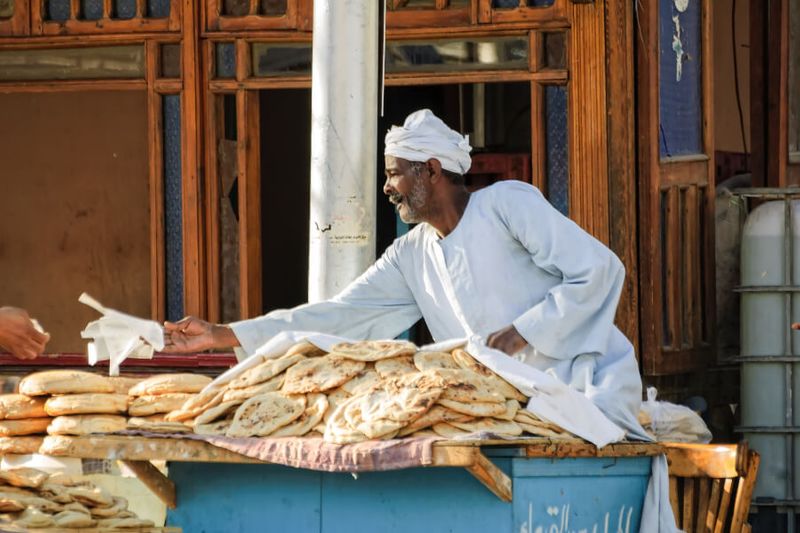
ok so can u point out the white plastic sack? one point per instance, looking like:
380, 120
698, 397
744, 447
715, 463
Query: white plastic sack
669, 422
117, 336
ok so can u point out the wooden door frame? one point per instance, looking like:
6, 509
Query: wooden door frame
653, 172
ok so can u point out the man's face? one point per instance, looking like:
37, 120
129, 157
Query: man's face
408, 188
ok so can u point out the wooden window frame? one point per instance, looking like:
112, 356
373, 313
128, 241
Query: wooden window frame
659, 176
105, 25
769, 87
589, 192
298, 16
19, 23
488, 14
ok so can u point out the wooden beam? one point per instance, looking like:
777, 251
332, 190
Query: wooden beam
621, 134
492, 477
156, 186
194, 300
702, 460
157, 482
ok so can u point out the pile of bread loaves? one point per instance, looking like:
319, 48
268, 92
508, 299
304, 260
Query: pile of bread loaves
73, 402
358, 391
32, 499
361, 391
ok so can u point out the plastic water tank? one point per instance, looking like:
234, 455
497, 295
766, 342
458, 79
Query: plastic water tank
770, 377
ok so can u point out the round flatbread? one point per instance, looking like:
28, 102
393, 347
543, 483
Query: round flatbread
64, 382
55, 492
316, 406
77, 508
86, 403
124, 523
30, 478
364, 381
467, 386
336, 397
261, 415
9, 504
467, 362
123, 384
444, 429
271, 385
153, 404
194, 406
395, 367
157, 424
305, 348
265, 371
512, 406
170, 383
27, 426
338, 431
320, 374
91, 496
120, 504
477, 409
220, 427
373, 350
20, 445
33, 518
86, 424
72, 519
434, 360
217, 412
435, 415
506, 428
17, 406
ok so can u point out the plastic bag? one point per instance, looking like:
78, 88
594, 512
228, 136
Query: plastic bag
669, 422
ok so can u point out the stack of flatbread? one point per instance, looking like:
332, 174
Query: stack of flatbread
79, 402
22, 415
152, 398
361, 391
32, 499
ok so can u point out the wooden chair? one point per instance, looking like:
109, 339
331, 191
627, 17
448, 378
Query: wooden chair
704, 478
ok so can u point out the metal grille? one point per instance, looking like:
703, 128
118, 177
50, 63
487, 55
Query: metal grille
172, 206
557, 142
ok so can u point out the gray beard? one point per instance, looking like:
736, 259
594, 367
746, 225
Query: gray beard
415, 202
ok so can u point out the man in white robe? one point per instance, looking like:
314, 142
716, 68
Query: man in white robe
500, 263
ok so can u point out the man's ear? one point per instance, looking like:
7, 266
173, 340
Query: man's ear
434, 168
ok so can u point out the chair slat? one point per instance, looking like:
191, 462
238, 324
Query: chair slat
673, 498
713, 504
722, 515
744, 493
688, 504
703, 493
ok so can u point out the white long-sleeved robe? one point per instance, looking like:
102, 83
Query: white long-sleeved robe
512, 259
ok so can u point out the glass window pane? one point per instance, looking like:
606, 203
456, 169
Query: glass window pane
173, 235
281, 59
272, 8
554, 50
170, 61
557, 146
521, 3
399, 5
680, 78
108, 62
158, 9
794, 81
235, 8
58, 10
457, 55
124, 9
91, 9
225, 60
6, 9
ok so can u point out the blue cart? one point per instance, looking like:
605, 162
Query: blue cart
538, 486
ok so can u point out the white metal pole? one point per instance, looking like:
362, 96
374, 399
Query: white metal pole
344, 97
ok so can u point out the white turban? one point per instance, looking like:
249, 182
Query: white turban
424, 136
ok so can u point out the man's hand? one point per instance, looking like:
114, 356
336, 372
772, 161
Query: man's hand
194, 335
796, 325
507, 340
18, 336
